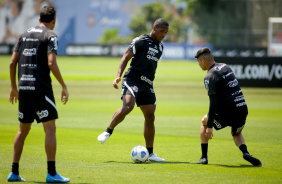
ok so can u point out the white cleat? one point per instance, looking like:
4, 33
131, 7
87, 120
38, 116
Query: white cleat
155, 158
103, 137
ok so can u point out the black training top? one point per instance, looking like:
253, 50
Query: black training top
147, 53
221, 81
33, 70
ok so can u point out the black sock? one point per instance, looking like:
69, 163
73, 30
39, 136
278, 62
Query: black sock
243, 148
51, 168
204, 147
110, 131
150, 150
15, 168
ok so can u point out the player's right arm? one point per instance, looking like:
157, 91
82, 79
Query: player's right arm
14, 93
124, 60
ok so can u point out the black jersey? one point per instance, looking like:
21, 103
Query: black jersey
221, 81
147, 53
33, 70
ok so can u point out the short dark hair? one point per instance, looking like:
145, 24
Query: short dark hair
203, 51
47, 14
161, 22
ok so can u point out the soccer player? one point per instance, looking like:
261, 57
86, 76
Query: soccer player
227, 105
35, 54
137, 83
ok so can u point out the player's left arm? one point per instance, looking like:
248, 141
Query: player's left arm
212, 109
52, 63
14, 93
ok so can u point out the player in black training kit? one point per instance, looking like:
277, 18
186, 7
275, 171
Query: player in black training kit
35, 54
137, 83
227, 105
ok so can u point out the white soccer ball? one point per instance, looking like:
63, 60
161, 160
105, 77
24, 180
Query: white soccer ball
139, 154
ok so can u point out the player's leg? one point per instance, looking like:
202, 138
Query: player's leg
240, 142
127, 107
204, 141
118, 117
149, 130
149, 126
18, 148
50, 148
50, 140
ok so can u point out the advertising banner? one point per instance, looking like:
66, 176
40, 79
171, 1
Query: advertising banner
255, 71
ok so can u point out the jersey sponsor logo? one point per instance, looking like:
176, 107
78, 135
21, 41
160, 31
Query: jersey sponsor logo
30, 39
151, 53
31, 66
241, 104
152, 58
27, 88
55, 42
144, 78
217, 124
218, 68
42, 114
207, 84
29, 52
152, 90
233, 83
237, 92
33, 30
27, 78
224, 76
21, 115
239, 98
154, 49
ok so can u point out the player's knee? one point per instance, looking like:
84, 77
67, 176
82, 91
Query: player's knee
127, 109
234, 134
150, 117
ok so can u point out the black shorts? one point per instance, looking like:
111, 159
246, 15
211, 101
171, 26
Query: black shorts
141, 90
39, 106
236, 120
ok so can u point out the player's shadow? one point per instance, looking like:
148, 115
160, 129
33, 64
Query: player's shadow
233, 166
229, 166
175, 162
166, 162
48, 183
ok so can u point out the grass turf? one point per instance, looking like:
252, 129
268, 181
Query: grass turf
181, 103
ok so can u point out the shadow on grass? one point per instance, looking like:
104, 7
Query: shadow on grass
166, 162
229, 166
45, 182
175, 162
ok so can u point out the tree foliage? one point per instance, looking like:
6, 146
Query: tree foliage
143, 22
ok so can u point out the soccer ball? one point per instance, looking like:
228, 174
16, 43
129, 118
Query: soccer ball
139, 154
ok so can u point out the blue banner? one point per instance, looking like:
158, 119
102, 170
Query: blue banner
84, 22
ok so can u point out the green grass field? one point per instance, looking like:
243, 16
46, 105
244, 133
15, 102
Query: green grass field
181, 103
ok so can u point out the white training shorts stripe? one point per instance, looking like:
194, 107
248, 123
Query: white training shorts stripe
51, 102
126, 85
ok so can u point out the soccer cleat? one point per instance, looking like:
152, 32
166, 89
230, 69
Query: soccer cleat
103, 137
13, 177
155, 158
56, 179
203, 161
251, 159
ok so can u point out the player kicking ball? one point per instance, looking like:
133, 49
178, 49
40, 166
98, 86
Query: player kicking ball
137, 83
227, 105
